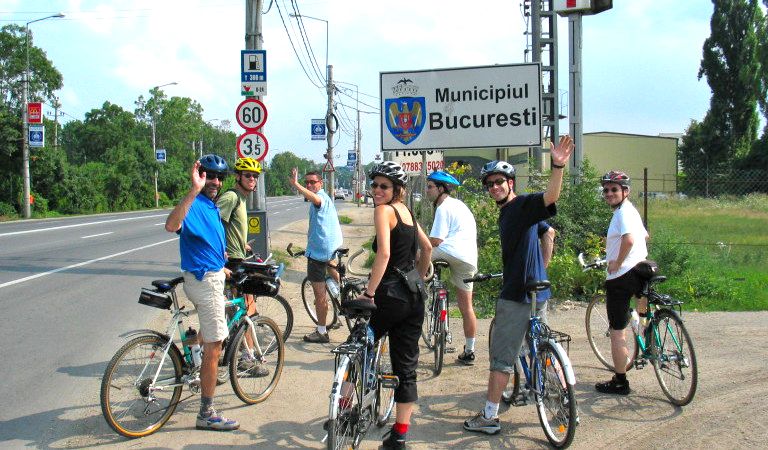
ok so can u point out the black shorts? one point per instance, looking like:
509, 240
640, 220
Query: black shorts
316, 270
618, 292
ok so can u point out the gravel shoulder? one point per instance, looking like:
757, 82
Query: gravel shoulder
728, 411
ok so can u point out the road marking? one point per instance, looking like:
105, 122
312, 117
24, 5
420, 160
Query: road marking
94, 235
161, 223
84, 263
13, 233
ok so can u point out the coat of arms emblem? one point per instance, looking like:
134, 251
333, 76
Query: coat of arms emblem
406, 114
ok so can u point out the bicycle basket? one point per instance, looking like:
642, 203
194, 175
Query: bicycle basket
260, 286
155, 299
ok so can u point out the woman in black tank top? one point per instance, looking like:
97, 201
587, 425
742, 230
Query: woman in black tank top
398, 311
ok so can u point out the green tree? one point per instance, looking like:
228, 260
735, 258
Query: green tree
279, 171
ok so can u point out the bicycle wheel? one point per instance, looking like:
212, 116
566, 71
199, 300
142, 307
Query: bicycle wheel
342, 425
510, 395
441, 335
555, 401
385, 397
674, 359
128, 401
278, 309
350, 292
428, 326
308, 298
254, 380
599, 334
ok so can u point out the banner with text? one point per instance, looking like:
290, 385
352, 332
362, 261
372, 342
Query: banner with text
469, 107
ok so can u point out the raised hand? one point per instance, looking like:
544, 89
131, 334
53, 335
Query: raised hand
562, 152
198, 180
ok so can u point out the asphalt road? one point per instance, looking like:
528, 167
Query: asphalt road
68, 289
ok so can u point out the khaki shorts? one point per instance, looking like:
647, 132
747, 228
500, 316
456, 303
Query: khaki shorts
459, 269
208, 297
509, 328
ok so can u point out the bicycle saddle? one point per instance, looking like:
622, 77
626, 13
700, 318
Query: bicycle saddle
358, 308
167, 285
342, 251
537, 285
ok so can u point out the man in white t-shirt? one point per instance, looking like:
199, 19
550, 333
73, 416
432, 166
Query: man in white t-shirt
625, 248
454, 239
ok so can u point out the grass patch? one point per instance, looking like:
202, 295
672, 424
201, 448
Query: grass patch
345, 220
281, 256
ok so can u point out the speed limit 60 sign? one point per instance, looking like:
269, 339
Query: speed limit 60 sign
252, 144
251, 114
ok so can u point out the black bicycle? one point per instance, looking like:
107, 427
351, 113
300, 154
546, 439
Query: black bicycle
363, 389
348, 288
435, 329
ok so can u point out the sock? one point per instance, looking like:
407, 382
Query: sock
621, 378
491, 409
206, 406
470, 345
401, 428
322, 329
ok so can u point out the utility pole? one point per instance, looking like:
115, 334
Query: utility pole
331, 130
574, 95
254, 40
56, 106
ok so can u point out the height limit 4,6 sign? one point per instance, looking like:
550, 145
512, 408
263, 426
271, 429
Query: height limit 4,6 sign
251, 114
252, 144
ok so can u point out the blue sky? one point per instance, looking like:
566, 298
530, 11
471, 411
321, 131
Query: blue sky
640, 59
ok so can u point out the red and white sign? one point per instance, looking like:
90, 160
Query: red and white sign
251, 114
34, 112
252, 144
566, 6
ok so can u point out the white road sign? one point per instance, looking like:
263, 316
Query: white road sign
410, 161
468, 107
252, 144
251, 114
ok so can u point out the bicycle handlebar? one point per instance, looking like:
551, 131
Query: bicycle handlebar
483, 277
596, 264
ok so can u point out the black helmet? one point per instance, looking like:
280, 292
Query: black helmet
214, 163
615, 176
390, 170
502, 167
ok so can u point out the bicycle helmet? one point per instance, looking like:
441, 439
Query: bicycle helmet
247, 165
615, 176
502, 167
390, 170
440, 176
214, 163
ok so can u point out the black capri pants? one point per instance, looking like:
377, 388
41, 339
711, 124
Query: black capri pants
618, 293
402, 319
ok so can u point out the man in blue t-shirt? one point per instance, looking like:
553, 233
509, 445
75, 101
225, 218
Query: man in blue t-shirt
519, 217
202, 245
323, 238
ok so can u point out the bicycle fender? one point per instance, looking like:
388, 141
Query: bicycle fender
146, 331
570, 377
333, 409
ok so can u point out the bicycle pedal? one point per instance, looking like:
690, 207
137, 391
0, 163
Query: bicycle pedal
450, 350
521, 400
389, 381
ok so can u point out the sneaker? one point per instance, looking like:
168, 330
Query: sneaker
216, 422
467, 357
393, 440
613, 387
480, 424
317, 338
254, 368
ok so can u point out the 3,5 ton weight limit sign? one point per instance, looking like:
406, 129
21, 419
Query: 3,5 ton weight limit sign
252, 144
251, 114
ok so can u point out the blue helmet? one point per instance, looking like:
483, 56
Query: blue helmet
214, 163
446, 178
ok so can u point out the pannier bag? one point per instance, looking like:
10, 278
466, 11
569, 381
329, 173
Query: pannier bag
155, 299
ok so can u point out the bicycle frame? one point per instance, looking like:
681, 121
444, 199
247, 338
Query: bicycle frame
356, 348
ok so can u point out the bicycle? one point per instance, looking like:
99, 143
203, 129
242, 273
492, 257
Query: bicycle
665, 342
435, 329
363, 386
549, 376
143, 381
347, 288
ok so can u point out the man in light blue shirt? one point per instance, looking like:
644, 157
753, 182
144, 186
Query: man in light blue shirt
323, 238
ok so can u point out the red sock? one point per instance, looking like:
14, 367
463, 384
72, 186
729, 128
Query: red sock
400, 428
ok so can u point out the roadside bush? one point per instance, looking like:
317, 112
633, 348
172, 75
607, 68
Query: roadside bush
7, 211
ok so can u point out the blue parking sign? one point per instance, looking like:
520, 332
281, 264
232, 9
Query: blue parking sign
318, 129
36, 136
160, 155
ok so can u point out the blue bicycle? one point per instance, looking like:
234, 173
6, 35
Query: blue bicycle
549, 377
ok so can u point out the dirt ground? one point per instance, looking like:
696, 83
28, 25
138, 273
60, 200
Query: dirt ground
729, 410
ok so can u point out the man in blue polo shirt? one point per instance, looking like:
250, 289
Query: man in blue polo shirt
202, 245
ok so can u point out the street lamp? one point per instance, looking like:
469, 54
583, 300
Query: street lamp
326, 32
358, 146
25, 119
154, 147
706, 169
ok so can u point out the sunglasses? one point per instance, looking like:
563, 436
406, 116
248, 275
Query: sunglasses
213, 175
249, 175
383, 186
311, 182
613, 189
496, 182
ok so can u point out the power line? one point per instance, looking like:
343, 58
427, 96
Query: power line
301, 63
307, 44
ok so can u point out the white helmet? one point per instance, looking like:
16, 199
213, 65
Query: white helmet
390, 170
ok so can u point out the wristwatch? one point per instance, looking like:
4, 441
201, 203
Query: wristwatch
555, 166
365, 293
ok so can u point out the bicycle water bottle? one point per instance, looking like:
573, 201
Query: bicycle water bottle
634, 321
333, 287
190, 339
